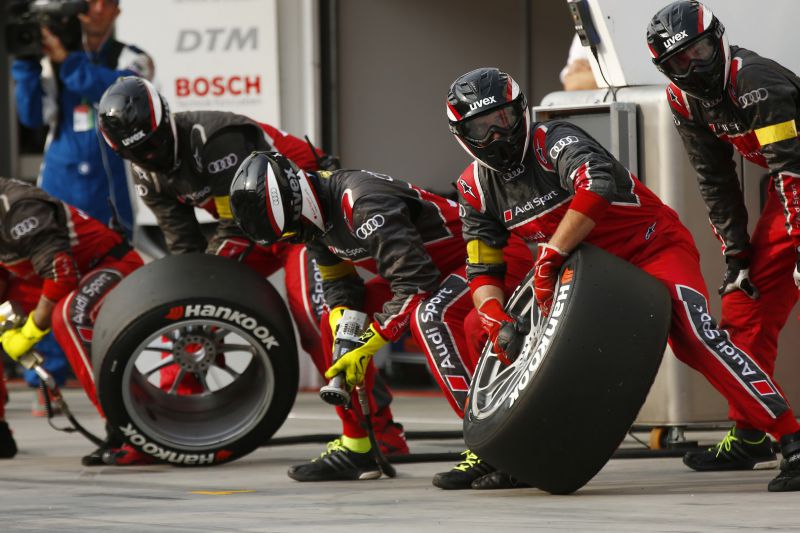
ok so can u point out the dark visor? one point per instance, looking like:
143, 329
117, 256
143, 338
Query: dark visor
502, 120
700, 51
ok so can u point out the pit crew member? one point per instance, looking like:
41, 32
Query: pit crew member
585, 194
724, 97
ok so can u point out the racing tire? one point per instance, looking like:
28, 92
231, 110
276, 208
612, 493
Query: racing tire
195, 360
555, 416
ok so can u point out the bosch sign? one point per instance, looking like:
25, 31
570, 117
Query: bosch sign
235, 85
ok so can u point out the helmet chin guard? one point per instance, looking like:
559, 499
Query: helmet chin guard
489, 116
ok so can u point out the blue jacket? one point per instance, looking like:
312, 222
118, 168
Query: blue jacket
78, 166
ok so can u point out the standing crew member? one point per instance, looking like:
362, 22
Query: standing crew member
724, 97
573, 190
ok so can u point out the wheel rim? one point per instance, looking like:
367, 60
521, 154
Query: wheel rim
198, 384
495, 383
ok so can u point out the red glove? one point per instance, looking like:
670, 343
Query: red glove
545, 275
494, 318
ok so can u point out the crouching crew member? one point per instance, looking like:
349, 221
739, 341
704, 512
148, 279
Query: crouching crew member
58, 264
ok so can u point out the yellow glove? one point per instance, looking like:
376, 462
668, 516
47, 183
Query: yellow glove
354, 363
18, 341
335, 316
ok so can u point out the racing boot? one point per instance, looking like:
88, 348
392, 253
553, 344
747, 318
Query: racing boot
8, 446
740, 449
498, 480
789, 477
337, 463
126, 455
462, 475
391, 439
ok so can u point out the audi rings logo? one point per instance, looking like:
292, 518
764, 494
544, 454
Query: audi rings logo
225, 163
368, 228
753, 97
561, 144
273, 196
24, 227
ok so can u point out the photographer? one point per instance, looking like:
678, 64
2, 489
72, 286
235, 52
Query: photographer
60, 90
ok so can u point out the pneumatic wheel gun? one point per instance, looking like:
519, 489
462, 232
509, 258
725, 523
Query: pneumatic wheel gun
350, 327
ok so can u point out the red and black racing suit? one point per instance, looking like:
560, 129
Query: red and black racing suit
758, 116
50, 249
412, 240
567, 169
211, 145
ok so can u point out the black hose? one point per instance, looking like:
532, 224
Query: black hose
76, 426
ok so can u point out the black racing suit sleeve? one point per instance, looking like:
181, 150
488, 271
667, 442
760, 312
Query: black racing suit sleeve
43, 238
712, 159
384, 225
477, 226
347, 290
175, 219
581, 162
222, 155
769, 104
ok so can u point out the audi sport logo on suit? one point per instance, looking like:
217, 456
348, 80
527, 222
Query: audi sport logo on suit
368, 228
229, 161
23, 228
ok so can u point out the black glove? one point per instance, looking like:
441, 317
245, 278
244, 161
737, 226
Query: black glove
510, 339
737, 277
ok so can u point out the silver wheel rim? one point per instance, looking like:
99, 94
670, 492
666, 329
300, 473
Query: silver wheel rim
494, 383
198, 384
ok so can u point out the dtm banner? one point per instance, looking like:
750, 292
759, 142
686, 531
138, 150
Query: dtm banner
209, 54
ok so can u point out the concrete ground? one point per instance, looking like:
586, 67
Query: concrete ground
45, 488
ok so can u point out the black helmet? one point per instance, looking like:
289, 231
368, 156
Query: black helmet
486, 102
689, 45
135, 121
271, 200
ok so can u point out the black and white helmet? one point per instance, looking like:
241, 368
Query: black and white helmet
273, 200
489, 116
136, 123
689, 45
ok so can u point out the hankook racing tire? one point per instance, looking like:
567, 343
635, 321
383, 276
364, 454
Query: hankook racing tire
555, 416
195, 359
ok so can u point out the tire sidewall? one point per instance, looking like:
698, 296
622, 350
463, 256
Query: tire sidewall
279, 346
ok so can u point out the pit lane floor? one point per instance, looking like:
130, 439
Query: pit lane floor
45, 488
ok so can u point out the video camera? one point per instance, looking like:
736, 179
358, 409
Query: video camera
26, 17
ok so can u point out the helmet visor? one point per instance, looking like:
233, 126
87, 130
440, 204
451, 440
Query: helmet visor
700, 51
480, 129
155, 153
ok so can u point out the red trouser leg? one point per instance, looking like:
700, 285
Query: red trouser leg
437, 325
376, 292
74, 316
699, 342
757, 324
519, 261
306, 301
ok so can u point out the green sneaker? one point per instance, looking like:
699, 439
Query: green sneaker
337, 463
463, 474
738, 450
